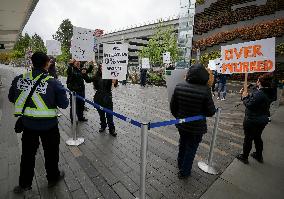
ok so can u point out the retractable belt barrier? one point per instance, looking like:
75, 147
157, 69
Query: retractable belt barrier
144, 133
139, 124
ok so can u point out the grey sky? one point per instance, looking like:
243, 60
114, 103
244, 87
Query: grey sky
104, 14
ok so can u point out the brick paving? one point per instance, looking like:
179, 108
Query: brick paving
107, 167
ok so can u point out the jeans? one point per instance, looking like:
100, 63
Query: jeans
222, 89
80, 104
105, 116
188, 144
30, 142
252, 133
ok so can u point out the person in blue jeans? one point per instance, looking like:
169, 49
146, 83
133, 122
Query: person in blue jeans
222, 86
191, 98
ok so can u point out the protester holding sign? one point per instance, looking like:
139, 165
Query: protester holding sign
103, 97
256, 117
75, 82
191, 98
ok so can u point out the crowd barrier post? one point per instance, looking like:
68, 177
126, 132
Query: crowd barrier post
75, 141
143, 157
207, 167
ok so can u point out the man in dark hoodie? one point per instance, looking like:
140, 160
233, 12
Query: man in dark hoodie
191, 98
256, 117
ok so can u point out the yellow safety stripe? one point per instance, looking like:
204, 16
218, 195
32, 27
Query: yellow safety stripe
41, 109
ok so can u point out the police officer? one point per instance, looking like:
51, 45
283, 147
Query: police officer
75, 82
39, 120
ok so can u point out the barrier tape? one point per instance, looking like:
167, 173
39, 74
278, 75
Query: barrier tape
122, 117
139, 124
176, 121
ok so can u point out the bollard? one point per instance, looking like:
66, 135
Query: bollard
208, 167
143, 156
74, 141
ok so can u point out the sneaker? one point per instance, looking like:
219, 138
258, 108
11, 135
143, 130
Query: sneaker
223, 99
102, 130
113, 133
19, 189
218, 98
54, 183
182, 177
241, 158
255, 156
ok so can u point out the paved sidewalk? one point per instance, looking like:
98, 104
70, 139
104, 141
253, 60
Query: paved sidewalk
107, 167
256, 181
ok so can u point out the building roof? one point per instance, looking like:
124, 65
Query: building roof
14, 14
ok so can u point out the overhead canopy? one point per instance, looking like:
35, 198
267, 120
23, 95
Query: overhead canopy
14, 14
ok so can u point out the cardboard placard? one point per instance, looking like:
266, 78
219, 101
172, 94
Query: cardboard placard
115, 61
53, 47
145, 63
249, 57
172, 79
167, 58
82, 44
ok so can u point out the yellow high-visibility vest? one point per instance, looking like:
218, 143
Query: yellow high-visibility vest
25, 84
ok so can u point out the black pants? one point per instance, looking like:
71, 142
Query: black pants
80, 104
106, 119
252, 133
188, 144
30, 142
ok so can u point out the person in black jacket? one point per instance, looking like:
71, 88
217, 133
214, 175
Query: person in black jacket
256, 117
75, 82
39, 120
191, 98
143, 77
103, 97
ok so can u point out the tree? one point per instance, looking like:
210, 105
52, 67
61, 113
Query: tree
64, 33
37, 44
21, 46
164, 40
65, 55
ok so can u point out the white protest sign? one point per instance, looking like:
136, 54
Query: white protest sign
249, 57
173, 78
115, 61
53, 47
82, 44
167, 58
212, 65
145, 63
